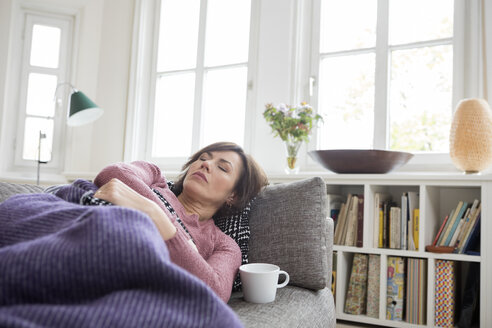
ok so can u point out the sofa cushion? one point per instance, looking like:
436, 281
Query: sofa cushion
289, 228
9, 189
293, 307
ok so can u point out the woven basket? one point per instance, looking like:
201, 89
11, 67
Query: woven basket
470, 139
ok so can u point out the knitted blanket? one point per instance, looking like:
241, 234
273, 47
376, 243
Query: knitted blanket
67, 265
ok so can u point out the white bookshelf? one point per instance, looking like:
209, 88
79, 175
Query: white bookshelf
438, 194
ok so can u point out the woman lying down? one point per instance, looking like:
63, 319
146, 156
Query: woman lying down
217, 179
63, 264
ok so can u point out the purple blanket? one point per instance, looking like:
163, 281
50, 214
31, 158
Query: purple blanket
67, 265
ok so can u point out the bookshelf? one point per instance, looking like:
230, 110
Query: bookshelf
438, 194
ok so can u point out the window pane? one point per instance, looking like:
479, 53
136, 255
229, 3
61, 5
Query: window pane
40, 94
421, 98
224, 105
348, 24
173, 115
420, 20
227, 33
346, 100
45, 46
31, 138
178, 34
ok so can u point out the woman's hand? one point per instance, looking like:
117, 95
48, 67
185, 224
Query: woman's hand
120, 194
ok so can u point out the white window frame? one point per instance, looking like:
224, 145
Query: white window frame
25, 15
465, 84
139, 127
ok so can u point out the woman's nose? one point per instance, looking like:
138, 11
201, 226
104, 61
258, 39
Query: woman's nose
206, 165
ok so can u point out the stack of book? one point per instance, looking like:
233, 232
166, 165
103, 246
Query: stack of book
396, 226
460, 230
350, 222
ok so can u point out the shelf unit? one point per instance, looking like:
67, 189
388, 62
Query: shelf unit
438, 194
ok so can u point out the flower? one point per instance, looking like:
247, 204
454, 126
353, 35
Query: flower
292, 124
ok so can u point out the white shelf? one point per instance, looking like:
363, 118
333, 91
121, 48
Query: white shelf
438, 194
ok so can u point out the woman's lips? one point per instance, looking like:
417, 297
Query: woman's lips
201, 175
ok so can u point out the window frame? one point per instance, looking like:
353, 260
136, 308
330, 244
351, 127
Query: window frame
138, 139
65, 23
464, 13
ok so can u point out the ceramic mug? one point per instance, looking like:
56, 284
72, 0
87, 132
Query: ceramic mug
260, 281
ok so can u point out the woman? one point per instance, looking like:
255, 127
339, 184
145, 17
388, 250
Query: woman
217, 179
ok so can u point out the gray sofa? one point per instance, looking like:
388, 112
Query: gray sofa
289, 228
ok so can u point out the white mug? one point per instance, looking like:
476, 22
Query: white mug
260, 281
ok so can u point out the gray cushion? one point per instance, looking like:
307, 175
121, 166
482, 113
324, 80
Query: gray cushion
9, 189
293, 307
289, 228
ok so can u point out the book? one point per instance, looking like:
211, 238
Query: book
472, 244
342, 216
379, 198
442, 241
471, 294
374, 269
395, 291
415, 302
440, 229
441, 236
355, 302
468, 227
351, 235
403, 223
360, 221
346, 222
444, 293
454, 224
413, 203
395, 232
415, 231
454, 238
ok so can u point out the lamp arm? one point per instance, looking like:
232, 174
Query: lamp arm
64, 83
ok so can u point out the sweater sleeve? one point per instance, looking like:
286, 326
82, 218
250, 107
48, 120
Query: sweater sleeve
218, 270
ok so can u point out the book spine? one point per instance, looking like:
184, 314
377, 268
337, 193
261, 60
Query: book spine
445, 293
373, 286
360, 221
355, 302
395, 292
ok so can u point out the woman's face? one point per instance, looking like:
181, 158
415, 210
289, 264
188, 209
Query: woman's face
212, 177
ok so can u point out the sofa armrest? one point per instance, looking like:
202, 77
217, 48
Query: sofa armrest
289, 228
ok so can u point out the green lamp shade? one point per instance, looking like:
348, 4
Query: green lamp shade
82, 110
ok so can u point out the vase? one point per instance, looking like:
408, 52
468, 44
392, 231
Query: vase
470, 139
291, 149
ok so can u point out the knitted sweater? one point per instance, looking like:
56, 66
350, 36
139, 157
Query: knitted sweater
218, 257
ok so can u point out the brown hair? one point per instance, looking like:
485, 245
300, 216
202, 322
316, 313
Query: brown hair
251, 180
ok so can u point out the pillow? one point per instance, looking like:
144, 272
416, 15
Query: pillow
236, 226
289, 228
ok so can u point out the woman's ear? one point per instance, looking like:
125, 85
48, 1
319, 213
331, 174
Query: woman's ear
231, 199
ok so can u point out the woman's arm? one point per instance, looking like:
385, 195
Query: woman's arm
120, 194
218, 271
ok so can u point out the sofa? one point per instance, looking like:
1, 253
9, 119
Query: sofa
289, 228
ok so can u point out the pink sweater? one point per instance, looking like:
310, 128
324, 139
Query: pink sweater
219, 256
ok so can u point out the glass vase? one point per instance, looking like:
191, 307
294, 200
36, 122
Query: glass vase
291, 149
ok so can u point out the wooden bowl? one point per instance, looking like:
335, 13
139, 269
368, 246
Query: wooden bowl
360, 160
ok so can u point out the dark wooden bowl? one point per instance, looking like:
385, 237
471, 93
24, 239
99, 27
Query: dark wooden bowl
360, 160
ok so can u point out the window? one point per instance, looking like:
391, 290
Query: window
43, 64
200, 77
386, 74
